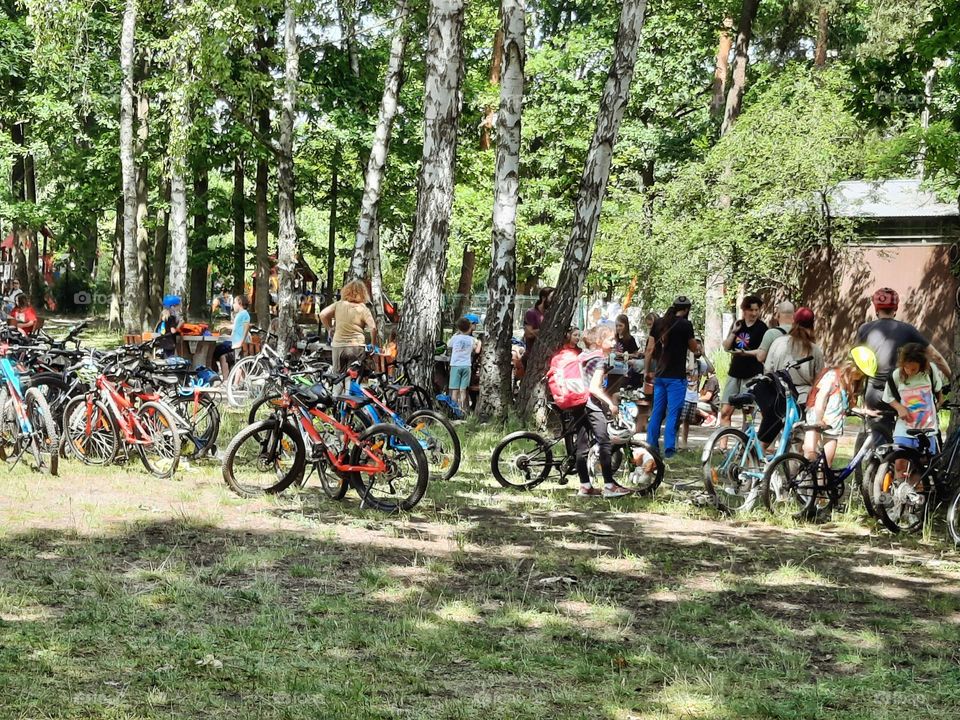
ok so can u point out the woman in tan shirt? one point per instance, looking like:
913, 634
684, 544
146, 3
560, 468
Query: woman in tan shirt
348, 318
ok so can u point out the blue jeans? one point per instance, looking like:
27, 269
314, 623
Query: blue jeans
668, 397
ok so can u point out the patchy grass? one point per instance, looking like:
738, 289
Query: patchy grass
122, 596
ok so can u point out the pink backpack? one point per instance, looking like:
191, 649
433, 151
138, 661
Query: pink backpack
565, 378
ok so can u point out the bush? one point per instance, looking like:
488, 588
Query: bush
70, 290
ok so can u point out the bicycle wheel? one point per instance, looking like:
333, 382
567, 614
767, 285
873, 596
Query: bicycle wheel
264, 458
642, 468
522, 460
89, 431
439, 441
203, 416
901, 502
160, 455
246, 380
953, 517
44, 442
789, 487
56, 390
263, 408
404, 482
866, 472
732, 472
334, 483
9, 427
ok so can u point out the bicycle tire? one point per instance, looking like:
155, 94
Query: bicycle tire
894, 500
243, 380
636, 471
103, 450
865, 473
540, 453
203, 416
734, 481
335, 484
953, 517
56, 391
263, 436
790, 487
443, 453
404, 450
161, 455
45, 444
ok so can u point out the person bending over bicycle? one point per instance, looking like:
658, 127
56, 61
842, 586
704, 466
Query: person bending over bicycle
830, 399
598, 338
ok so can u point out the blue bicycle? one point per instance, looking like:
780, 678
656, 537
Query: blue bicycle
27, 429
733, 459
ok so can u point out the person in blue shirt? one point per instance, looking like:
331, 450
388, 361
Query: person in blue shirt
225, 354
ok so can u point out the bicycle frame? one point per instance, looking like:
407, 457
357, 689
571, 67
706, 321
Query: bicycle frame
12, 379
121, 407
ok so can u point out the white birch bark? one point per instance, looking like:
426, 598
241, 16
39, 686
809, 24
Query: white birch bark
423, 285
131, 294
593, 185
361, 263
287, 236
495, 362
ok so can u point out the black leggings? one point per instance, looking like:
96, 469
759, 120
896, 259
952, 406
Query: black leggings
594, 428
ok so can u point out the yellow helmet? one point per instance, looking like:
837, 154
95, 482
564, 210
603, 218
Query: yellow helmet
865, 359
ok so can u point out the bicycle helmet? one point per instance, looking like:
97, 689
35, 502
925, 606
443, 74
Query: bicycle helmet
865, 360
87, 373
170, 301
619, 433
886, 299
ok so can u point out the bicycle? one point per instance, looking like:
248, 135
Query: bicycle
26, 424
524, 459
248, 376
905, 494
113, 410
733, 460
270, 455
806, 489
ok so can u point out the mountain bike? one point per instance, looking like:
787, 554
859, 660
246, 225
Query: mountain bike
26, 425
805, 489
248, 376
383, 463
733, 460
524, 459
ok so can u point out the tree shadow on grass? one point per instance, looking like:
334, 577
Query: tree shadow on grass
564, 612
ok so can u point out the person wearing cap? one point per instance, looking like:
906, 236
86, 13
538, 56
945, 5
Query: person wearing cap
169, 325
671, 338
885, 336
784, 318
743, 343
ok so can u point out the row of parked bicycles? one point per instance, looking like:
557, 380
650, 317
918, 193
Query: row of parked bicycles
900, 487
358, 429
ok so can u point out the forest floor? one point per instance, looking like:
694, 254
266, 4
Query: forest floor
123, 596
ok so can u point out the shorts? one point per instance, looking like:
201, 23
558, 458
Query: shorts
834, 430
733, 386
344, 355
707, 408
225, 350
908, 441
459, 377
688, 413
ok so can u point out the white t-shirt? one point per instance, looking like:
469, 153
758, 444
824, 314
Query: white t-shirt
461, 350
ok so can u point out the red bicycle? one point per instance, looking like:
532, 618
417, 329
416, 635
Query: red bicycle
114, 410
384, 464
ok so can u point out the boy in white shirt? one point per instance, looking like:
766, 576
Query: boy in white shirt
462, 347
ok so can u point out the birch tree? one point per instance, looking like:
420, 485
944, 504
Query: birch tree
180, 122
287, 236
495, 362
593, 185
423, 285
131, 295
365, 261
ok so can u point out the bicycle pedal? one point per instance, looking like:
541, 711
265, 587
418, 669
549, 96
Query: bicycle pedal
885, 499
563, 480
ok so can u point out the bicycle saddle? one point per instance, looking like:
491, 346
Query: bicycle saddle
313, 395
741, 400
916, 432
353, 401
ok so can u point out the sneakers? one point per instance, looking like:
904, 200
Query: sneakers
589, 491
615, 491
711, 421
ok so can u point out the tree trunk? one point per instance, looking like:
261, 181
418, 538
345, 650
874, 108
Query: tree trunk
161, 242
131, 279
239, 227
364, 247
262, 287
198, 243
719, 92
34, 282
143, 235
823, 33
496, 63
347, 9
18, 190
287, 236
593, 184
332, 224
423, 286
465, 286
717, 268
115, 321
179, 135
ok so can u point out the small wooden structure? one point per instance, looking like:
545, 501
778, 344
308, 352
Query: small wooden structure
305, 281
